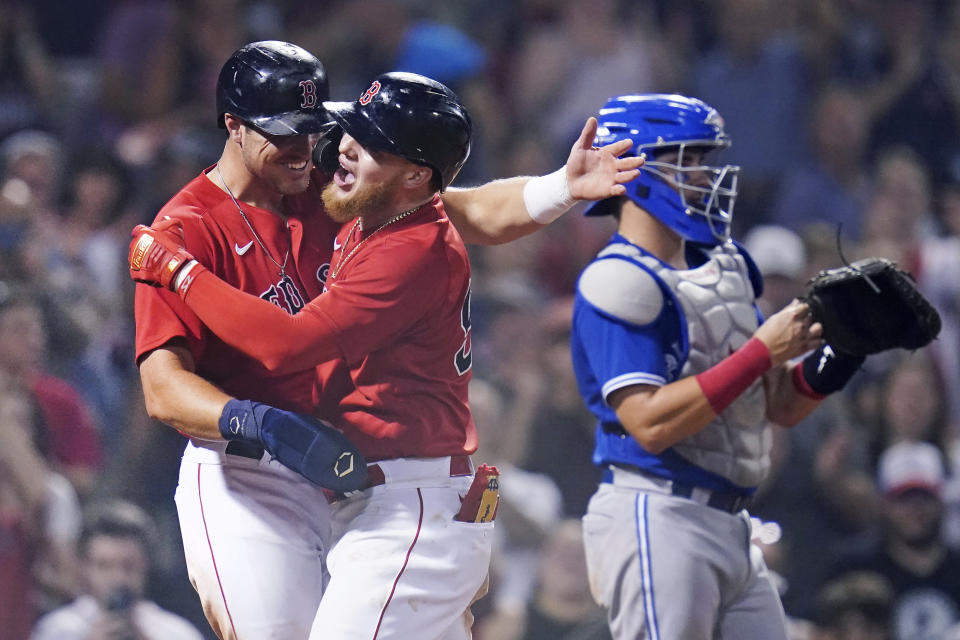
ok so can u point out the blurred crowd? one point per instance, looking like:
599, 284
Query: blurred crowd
844, 114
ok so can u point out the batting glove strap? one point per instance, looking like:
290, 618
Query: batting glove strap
825, 371
185, 277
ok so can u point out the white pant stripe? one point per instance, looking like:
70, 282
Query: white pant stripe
643, 538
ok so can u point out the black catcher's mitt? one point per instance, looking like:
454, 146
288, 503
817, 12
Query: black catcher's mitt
871, 306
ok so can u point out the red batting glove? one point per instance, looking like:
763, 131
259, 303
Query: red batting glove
157, 255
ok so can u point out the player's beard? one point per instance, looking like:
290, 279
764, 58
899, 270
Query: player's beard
371, 198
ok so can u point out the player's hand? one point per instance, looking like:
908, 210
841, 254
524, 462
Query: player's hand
157, 253
790, 332
595, 173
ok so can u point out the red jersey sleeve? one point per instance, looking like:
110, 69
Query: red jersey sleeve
281, 342
160, 314
360, 312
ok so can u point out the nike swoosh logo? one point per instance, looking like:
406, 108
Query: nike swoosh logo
824, 357
336, 244
242, 250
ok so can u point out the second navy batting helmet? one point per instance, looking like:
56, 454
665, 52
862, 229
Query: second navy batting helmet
657, 123
275, 86
412, 116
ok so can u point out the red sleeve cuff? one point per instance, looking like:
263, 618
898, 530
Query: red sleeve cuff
802, 386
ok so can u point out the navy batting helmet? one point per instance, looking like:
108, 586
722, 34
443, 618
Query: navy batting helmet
412, 116
657, 123
275, 86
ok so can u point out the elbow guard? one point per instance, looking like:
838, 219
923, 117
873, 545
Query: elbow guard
311, 447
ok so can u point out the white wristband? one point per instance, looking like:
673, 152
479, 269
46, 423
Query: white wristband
548, 197
178, 280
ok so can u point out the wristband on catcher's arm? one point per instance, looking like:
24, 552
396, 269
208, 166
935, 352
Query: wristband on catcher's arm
824, 371
725, 381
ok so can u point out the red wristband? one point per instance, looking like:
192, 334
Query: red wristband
802, 386
725, 381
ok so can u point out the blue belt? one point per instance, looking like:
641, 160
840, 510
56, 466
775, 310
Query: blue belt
728, 502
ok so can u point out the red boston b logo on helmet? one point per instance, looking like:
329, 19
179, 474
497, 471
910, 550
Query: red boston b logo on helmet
308, 97
369, 93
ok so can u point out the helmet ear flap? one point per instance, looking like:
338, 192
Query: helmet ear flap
326, 152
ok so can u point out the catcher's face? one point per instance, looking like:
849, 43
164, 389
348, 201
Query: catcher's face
704, 194
687, 174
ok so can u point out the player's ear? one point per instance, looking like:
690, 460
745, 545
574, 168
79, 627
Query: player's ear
417, 176
234, 125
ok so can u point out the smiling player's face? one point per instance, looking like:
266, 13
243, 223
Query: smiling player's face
284, 162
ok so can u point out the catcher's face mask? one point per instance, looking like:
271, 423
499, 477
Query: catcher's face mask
692, 198
706, 193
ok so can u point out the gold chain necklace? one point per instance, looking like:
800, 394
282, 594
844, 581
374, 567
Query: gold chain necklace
256, 236
345, 258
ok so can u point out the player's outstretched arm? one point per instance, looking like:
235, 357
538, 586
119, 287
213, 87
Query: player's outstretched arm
338, 324
507, 209
256, 327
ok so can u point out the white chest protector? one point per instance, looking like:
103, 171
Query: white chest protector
716, 299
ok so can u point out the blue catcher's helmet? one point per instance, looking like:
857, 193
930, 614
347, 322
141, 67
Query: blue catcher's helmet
675, 192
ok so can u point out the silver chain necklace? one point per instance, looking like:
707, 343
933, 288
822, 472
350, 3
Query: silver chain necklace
256, 236
344, 258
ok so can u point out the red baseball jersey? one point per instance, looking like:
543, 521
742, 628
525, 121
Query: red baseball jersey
397, 312
217, 235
